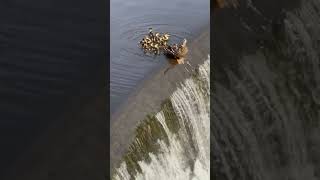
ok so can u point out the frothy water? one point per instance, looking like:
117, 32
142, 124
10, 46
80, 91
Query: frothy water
265, 117
184, 152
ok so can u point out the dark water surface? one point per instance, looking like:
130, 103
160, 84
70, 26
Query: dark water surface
130, 21
50, 52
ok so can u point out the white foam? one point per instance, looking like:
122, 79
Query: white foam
188, 154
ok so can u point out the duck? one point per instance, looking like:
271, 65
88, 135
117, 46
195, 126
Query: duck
183, 49
177, 51
173, 63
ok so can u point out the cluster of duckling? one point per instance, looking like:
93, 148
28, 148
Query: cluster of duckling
154, 42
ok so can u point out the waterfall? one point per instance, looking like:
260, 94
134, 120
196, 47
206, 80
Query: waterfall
265, 118
180, 132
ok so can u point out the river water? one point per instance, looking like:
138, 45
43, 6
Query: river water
130, 21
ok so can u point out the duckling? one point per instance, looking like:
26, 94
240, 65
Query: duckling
166, 37
150, 31
155, 42
164, 44
148, 39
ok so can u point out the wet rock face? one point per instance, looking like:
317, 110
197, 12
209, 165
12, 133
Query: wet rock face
266, 103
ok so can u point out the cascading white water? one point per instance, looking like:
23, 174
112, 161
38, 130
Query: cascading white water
187, 155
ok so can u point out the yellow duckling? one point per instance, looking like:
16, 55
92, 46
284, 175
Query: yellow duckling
155, 42
148, 40
166, 37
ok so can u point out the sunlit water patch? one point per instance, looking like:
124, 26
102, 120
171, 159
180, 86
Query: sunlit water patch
174, 143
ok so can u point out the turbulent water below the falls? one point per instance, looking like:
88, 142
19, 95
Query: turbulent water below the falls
174, 143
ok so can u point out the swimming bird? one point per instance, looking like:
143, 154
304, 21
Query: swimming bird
166, 37
154, 42
177, 51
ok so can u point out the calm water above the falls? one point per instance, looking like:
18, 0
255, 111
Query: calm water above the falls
130, 21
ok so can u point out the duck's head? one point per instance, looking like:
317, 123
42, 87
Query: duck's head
184, 43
